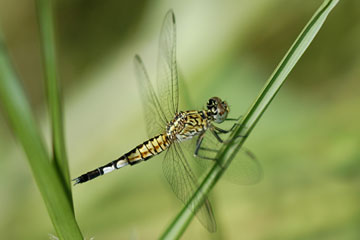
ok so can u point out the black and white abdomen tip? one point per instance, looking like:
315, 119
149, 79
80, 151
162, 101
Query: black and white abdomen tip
119, 163
88, 176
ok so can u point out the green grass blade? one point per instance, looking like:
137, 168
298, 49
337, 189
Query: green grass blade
228, 151
45, 16
17, 108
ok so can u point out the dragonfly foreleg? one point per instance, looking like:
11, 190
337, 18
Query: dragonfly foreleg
223, 131
216, 131
234, 119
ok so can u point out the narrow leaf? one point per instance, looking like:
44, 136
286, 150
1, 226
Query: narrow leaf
17, 109
53, 93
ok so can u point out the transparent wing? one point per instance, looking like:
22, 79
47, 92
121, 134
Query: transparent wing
155, 117
245, 169
183, 182
167, 75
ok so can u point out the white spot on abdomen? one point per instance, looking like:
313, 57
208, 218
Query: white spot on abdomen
108, 169
121, 163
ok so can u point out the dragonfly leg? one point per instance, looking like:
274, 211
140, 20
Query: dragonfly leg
221, 131
240, 136
234, 119
214, 130
208, 149
198, 147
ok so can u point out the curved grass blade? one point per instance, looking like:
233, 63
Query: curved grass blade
228, 151
45, 17
49, 181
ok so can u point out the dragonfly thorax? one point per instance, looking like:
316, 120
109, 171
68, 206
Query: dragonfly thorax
186, 125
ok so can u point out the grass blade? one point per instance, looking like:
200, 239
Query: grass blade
45, 17
17, 108
228, 151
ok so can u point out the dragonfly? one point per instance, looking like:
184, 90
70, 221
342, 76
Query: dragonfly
170, 128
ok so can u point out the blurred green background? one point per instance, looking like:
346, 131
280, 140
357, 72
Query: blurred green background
307, 141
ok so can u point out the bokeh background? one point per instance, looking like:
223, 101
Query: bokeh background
307, 141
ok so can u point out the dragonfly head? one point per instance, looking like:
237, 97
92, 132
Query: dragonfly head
217, 109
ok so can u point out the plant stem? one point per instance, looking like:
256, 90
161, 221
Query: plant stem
53, 90
49, 181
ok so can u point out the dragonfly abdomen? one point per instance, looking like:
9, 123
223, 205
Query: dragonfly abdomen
140, 153
148, 149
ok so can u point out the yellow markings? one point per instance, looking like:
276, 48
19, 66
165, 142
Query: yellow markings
150, 147
161, 142
145, 153
134, 156
156, 145
205, 123
166, 141
193, 121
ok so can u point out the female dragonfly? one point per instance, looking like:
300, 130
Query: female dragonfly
168, 127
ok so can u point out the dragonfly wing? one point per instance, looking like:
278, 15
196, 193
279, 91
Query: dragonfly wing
167, 74
183, 182
155, 117
245, 169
